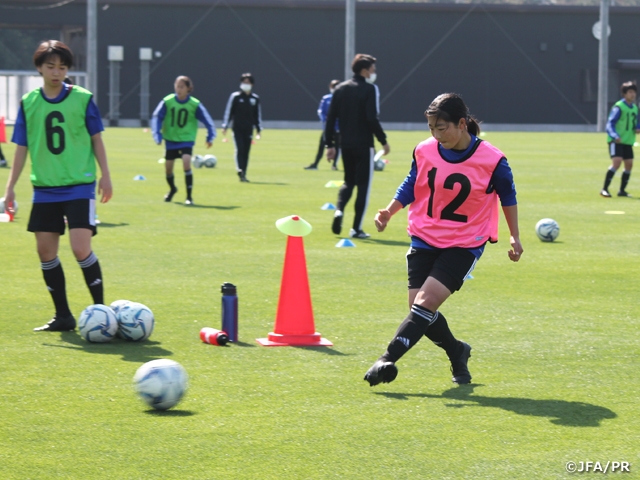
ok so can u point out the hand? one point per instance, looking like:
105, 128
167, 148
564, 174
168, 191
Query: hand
382, 219
331, 154
257, 136
516, 252
209, 144
386, 148
105, 188
9, 197
617, 140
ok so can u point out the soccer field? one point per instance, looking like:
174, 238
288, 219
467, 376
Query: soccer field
555, 356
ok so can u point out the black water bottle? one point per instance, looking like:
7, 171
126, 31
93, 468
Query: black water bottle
230, 311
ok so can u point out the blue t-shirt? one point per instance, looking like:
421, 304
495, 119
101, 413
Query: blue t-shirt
158, 117
501, 180
61, 194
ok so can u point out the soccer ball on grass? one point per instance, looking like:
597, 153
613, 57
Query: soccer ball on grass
547, 230
135, 321
161, 383
97, 324
198, 161
210, 161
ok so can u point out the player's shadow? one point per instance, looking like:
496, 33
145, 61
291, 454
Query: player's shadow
560, 412
130, 351
112, 225
217, 207
268, 183
393, 243
325, 350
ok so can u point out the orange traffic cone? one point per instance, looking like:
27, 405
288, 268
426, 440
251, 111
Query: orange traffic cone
294, 320
3, 131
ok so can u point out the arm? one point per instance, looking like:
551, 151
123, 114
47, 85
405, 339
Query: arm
104, 184
203, 115
156, 122
614, 116
258, 117
372, 110
228, 114
19, 160
511, 215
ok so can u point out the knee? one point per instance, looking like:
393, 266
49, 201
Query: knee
80, 252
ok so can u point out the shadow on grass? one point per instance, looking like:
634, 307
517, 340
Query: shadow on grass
169, 413
130, 351
393, 243
325, 350
561, 412
111, 225
217, 207
269, 183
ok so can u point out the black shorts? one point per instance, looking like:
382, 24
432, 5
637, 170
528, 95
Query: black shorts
177, 153
49, 217
449, 266
621, 150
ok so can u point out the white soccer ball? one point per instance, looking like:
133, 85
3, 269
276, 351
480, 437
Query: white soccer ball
547, 229
117, 305
161, 383
135, 322
378, 165
198, 161
2, 206
210, 161
98, 324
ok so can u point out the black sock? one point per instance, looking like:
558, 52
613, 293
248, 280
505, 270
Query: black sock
608, 178
93, 276
54, 279
188, 180
439, 333
625, 180
409, 333
170, 181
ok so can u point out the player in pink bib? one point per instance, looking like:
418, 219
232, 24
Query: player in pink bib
453, 189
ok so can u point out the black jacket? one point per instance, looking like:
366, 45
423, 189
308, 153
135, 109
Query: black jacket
244, 110
355, 105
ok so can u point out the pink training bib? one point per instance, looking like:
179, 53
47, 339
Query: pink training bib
452, 207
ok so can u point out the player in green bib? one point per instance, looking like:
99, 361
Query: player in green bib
622, 127
59, 126
176, 120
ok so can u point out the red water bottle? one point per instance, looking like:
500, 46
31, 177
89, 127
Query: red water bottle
214, 336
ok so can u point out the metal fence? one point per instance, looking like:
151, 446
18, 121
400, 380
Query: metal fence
15, 83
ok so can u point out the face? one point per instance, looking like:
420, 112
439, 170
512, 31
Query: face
53, 71
370, 70
448, 134
181, 89
630, 96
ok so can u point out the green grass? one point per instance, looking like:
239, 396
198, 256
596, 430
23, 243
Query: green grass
555, 350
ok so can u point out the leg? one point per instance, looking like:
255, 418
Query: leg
47, 244
188, 177
314, 165
346, 190
628, 165
168, 168
243, 143
364, 175
335, 160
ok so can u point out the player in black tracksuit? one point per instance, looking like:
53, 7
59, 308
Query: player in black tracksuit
243, 108
355, 105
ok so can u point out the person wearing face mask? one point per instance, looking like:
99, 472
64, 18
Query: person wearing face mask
243, 108
355, 104
323, 110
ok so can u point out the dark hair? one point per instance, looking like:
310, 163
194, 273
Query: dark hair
360, 61
626, 86
247, 76
451, 108
50, 48
333, 83
187, 82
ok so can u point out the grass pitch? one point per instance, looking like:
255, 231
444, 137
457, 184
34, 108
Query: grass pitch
555, 350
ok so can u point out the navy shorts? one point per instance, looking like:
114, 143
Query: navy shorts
177, 153
449, 266
621, 150
49, 217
